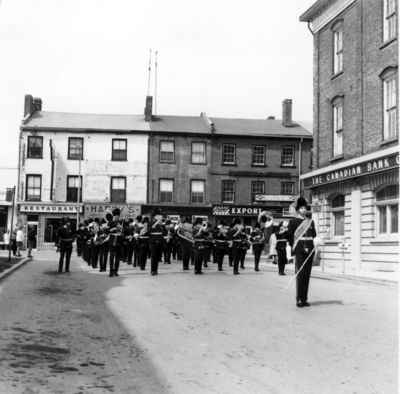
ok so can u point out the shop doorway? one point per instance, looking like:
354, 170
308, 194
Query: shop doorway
31, 233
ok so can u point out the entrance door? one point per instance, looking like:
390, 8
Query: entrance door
31, 230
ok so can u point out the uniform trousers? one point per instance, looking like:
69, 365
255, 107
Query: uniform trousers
282, 258
115, 257
65, 252
303, 278
236, 257
142, 252
186, 248
257, 250
156, 247
198, 255
103, 255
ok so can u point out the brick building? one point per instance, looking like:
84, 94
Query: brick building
354, 182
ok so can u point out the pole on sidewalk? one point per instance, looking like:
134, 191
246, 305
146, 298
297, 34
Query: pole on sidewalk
12, 223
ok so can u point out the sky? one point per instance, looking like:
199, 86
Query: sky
225, 58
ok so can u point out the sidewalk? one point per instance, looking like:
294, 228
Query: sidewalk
336, 271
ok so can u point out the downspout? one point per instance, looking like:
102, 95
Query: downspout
300, 163
52, 170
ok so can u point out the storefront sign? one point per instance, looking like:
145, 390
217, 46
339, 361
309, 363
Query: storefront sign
49, 208
100, 210
274, 197
366, 168
224, 210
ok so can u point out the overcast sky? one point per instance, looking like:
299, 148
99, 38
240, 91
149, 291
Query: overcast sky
227, 58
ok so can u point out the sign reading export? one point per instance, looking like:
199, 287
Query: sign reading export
366, 168
224, 210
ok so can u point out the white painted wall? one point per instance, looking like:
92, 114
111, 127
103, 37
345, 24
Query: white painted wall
96, 168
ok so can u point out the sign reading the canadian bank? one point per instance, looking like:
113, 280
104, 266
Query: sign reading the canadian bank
365, 168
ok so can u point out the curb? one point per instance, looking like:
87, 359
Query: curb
355, 278
7, 272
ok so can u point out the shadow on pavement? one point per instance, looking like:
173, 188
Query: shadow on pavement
329, 302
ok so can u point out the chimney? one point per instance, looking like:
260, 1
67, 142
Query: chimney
287, 113
29, 108
148, 110
37, 104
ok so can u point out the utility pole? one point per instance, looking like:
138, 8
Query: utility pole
78, 195
12, 223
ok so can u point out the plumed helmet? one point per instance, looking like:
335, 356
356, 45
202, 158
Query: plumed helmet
302, 202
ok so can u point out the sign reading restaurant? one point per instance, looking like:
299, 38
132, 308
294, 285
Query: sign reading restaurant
49, 208
366, 168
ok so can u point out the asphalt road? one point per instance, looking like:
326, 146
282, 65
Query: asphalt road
217, 333
58, 336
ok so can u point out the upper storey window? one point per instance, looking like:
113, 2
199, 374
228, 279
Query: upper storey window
337, 48
337, 109
35, 147
389, 19
390, 122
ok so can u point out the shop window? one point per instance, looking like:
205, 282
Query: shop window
167, 151
119, 150
287, 156
229, 154
33, 187
228, 191
287, 188
389, 20
390, 121
258, 155
197, 191
75, 148
337, 114
337, 209
387, 207
118, 189
166, 190
257, 187
337, 48
198, 153
74, 188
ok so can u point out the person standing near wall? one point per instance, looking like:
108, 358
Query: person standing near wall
20, 236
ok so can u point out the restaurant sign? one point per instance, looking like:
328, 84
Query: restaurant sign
49, 208
365, 168
225, 210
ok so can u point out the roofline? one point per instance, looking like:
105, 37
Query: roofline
156, 132
314, 10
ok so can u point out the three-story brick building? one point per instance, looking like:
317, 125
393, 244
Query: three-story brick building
354, 181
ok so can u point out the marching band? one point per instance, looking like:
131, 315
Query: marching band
133, 241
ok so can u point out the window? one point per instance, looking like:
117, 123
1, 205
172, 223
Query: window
167, 151
35, 147
287, 188
228, 191
197, 189
258, 156
75, 148
337, 209
338, 48
387, 204
33, 187
228, 154
287, 157
74, 186
257, 187
337, 113
198, 153
166, 192
390, 126
389, 20
119, 150
118, 189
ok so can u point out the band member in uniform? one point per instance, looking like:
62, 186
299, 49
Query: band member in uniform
209, 245
199, 233
131, 240
221, 244
157, 233
80, 239
115, 242
65, 238
137, 226
257, 240
238, 238
281, 242
103, 250
169, 227
301, 234
185, 234
143, 237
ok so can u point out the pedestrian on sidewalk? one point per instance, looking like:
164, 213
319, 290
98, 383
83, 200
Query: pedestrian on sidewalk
13, 241
65, 239
6, 240
31, 238
20, 240
257, 239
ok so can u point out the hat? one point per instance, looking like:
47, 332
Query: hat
302, 202
116, 212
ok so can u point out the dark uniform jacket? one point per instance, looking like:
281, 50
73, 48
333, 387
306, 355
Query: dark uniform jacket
305, 242
65, 237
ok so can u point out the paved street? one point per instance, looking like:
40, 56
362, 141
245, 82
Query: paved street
181, 333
